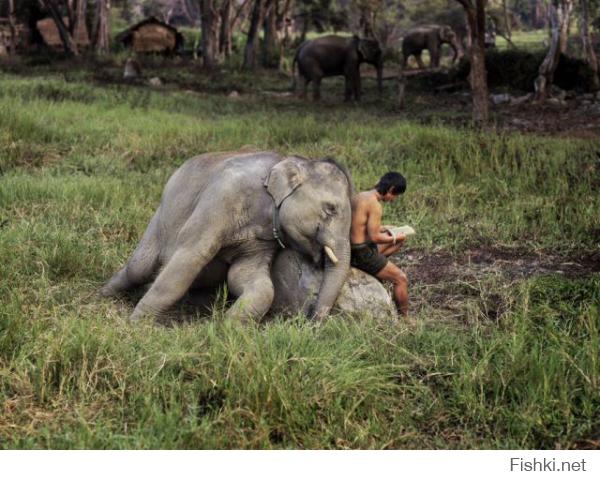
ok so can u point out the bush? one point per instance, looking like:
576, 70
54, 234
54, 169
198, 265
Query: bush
518, 69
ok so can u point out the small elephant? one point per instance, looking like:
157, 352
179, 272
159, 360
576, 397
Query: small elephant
430, 37
334, 55
223, 217
297, 281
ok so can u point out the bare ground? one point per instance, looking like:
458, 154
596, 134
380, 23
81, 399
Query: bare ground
480, 278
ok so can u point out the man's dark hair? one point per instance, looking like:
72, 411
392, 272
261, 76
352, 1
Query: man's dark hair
391, 181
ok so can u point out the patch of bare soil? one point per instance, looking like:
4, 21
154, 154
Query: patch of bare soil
480, 277
577, 117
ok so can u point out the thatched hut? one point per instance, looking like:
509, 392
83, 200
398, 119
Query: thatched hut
151, 36
49, 32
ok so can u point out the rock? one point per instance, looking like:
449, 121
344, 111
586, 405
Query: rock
520, 100
297, 282
155, 82
588, 96
518, 122
500, 98
3, 51
598, 96
234, 94
586, 103
556, 102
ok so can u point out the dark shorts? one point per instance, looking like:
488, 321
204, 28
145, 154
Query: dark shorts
367, 258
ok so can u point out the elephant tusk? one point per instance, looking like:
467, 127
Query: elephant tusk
330, 254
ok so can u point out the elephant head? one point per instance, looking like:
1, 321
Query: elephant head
447, 35
313, 200
369, 51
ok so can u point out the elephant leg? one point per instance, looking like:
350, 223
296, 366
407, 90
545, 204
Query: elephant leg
249, 278
317, 89
178, 275
140, 267
348, 88
357, 87
420, 61
303, 87
434, 53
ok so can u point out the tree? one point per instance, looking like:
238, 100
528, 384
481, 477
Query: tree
558, 15
586, 41
209, 20
101, 26
12, 26
475, 12
255, 21
69, 44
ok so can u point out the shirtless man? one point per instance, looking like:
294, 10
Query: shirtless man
371, 244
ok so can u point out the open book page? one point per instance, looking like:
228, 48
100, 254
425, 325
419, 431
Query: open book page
404, 229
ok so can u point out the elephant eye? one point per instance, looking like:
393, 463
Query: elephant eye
330, 209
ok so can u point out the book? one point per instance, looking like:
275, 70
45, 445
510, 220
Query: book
404, 229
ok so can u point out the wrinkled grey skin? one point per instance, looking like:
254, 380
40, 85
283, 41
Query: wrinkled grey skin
215, 224
430, 37
297, 281
334, 55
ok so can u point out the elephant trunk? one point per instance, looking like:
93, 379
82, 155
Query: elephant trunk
458, 50
334, 276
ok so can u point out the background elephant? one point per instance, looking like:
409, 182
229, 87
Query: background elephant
431, 38
297, 281
334, 55
223, 216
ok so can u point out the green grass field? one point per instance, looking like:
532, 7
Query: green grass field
512, 362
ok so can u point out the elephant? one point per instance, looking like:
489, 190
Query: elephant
297, 282
333, 55
430, 37
223, 217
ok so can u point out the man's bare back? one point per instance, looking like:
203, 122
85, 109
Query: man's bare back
372, 244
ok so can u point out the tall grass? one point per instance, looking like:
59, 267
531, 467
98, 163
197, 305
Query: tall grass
82, 171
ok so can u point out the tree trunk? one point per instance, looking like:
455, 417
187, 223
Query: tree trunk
283, 30
588, 50
225, 30
366, 21
271, 43
540, 14
255, 21
209, 19
567, 6
507, 26
557, 16
101, 26
475, 11
12, 26
79, 17
68, 42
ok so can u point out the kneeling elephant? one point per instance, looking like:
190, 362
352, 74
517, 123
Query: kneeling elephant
223, 217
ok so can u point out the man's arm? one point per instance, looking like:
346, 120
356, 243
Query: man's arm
374, 225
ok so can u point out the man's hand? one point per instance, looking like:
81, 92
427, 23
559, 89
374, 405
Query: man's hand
399, 239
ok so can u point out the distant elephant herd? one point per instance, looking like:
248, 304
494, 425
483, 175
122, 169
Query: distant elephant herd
274, 229
333, 55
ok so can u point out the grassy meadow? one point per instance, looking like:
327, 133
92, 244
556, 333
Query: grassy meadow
514, 364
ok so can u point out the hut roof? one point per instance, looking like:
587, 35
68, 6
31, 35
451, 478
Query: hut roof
126, 35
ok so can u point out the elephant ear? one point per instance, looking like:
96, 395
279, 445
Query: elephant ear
284, 178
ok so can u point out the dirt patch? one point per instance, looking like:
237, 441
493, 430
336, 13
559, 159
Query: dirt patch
479, 279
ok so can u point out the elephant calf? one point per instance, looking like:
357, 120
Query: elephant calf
334, 55
431, 38
223, 217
